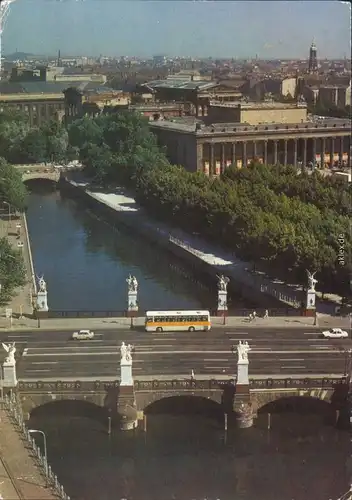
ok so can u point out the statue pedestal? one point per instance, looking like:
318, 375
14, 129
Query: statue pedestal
126, 373
242, 373
9, 374
132, 309
310, 303
222, 303
42, 304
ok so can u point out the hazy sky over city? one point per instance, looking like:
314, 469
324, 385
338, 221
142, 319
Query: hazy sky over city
186, 28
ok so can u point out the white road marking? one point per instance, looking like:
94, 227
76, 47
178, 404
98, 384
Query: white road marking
291, 359
18, 336
45, 363
38, 370
292, 367
214, 359
312, 333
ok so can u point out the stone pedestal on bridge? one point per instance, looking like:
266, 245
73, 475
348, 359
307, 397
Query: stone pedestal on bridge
310, 309
9, 377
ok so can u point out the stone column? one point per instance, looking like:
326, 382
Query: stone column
233, 159
265, 160
200, 163
275, 152
42, 300
244, 154
242, 402
132, 302
222, 295
304, 166
9, 376
349, 147
285, 152
223, 158
254, 149
322, 154
295, 152
126, 402
212, 160
332, 150
314, 151
341, 150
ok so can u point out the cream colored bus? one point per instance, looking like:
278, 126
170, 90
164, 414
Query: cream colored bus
172, 321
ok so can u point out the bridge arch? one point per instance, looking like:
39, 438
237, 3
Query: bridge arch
298, 403
185, 404
70, 408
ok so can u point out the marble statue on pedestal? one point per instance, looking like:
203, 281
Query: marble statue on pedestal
42, 295
11, 350
9, 377
222, 292
132, 294
311, 292
126, 364
242, 363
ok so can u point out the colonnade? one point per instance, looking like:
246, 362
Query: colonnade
214, 157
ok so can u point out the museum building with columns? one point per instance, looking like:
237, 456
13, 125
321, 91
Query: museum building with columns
237, 133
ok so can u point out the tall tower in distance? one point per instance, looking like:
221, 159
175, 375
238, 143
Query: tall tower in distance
313, 62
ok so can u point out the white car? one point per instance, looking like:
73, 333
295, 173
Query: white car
83, 335
335, 333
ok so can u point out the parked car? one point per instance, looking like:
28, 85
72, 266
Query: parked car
335, 333
83, 335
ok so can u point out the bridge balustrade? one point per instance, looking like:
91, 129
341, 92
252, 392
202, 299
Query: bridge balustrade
179, 385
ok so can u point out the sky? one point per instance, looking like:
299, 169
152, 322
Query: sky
273, 29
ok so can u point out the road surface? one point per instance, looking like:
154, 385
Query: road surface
43, 355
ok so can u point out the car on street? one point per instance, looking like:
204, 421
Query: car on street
335, 333
83, 335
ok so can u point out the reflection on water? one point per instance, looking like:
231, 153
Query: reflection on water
86, 262
185, 458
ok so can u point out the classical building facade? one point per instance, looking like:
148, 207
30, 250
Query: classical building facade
40, 108
211, 148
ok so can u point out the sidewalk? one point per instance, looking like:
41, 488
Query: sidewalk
54, 324
22, 299
20, 479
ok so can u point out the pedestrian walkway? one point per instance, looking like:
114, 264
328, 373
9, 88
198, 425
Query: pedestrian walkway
22, 301
20, 478
74, 324
224, 262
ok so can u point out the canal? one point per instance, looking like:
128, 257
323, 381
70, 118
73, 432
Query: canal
85, 262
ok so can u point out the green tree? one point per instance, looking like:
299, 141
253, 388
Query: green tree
14, 127
12, 188
12, 270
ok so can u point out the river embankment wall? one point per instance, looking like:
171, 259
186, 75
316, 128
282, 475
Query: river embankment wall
134, 219
27, 255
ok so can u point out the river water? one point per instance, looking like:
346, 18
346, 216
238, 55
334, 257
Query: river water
181, 457
85, 262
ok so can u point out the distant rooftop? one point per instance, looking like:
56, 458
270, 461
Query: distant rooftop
260, 104
178, 83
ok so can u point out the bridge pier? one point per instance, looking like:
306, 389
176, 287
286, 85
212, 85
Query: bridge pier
242, 402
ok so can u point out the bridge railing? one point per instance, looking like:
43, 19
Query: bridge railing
13, 408
264, 383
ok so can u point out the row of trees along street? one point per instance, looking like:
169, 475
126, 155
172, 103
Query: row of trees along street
283, 222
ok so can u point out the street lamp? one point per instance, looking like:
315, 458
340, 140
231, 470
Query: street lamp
37, 431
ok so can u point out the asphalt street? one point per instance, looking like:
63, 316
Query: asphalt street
43, 355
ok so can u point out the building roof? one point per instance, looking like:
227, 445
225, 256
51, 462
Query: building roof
257, 105
189, 126
177, 83
47, 87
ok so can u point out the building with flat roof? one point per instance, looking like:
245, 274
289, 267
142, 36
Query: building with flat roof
211, 148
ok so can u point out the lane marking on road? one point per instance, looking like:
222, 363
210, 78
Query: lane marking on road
18, 336
40, 370
45, 363
312, 333
217, 359
291, 359
293, 367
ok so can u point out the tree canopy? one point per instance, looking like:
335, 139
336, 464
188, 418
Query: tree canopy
265, 214
12, 270
12, 189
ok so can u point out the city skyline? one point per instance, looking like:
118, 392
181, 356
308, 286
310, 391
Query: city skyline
144, 28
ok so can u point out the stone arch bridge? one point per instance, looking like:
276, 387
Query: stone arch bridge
107, 395
51, 175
